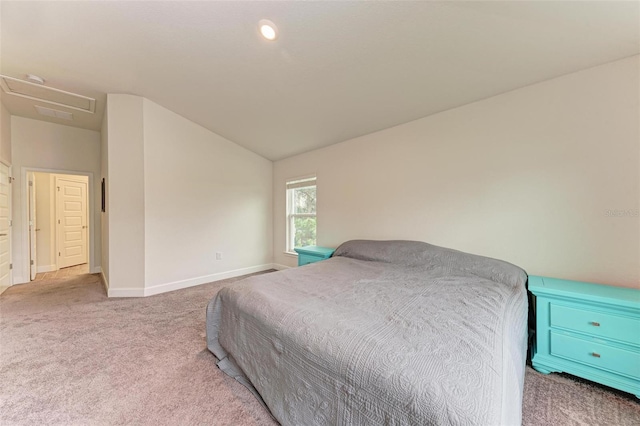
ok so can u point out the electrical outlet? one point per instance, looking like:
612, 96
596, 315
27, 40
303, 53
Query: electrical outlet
218, 256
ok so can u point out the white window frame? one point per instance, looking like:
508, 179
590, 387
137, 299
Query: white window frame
290, 185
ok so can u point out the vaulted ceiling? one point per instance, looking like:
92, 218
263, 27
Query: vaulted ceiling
337, 70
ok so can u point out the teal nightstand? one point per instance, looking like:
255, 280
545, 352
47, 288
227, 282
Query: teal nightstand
588, 330
311, 254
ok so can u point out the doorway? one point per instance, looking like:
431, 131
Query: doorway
59, 215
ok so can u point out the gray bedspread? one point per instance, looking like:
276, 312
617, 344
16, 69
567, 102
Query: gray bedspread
384, 332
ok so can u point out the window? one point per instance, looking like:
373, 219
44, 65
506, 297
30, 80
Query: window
301, 213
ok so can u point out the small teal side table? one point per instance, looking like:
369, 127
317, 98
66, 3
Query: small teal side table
312, 254
588, 330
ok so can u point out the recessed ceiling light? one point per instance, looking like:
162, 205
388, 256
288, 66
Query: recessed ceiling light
268, 29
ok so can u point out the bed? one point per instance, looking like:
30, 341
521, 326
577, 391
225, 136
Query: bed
383, 332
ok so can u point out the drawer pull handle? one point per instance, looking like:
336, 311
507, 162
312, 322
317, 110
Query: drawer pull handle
595, 324
597, 355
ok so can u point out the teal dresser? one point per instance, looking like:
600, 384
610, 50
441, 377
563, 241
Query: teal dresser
311, 254
588, 330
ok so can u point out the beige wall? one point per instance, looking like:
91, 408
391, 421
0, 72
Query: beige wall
5, 135
41, 145
125, 158
177, 195
203, 194
527, 176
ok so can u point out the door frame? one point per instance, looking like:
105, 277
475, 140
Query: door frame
10, 168
31, 224
25, 216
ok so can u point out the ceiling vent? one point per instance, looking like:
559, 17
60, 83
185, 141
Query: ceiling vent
25, 89
48, 112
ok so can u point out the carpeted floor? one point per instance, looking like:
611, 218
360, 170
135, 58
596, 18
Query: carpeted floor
71, 356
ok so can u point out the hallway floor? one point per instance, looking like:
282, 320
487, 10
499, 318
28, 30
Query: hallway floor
71, 271
64, 272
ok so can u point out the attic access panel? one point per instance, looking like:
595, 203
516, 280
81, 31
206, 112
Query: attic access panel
25, 89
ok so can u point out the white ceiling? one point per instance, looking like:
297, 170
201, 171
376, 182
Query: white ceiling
338, 69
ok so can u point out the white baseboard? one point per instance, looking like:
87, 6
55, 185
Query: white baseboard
125, 292
45, 268
177, 285
279, 267
96, 270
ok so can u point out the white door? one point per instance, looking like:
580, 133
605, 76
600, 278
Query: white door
31, 178
71, 202
5, 227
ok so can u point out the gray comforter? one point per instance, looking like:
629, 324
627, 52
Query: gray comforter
384, 332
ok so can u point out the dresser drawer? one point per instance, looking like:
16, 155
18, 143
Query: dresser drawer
597, 355
588, 330
595, 323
